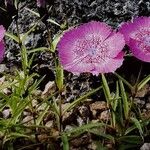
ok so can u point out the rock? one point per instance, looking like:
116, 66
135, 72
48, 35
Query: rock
6, 113
97, 107
26, 113
92, 146
68, 113
80, 121
42, 107
28, 120
148, 106
145, 146
7, 91
3, 68
68, 128
104, 116
81, 141
2, 79
34, 103
43, 137
143, 91
50, 87
84, 113
139, 101
37, 93
49, 124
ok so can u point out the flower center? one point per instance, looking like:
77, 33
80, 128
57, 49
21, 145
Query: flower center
94, 50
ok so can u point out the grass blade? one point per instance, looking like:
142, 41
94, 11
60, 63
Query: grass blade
143, 82
84, 128
138, 125
124, 81
41, 116
124, 99
12, 36
106, 89
37, 50
53, 22
65, 142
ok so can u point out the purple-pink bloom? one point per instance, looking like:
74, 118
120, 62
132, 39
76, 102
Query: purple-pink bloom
137, 37
41, 3
92, 47
9, 2
2, 47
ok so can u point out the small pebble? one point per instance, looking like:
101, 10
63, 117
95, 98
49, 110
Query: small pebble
6, 113
145, 146
148, 106
105, 115
49, 124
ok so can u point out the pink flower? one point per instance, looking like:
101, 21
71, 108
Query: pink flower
92, 47
137, 37
2, 48
9, 2
41, 3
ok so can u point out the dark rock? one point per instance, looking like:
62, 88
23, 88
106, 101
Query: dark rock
145, 146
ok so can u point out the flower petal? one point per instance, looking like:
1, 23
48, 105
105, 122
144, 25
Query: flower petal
115, 44
2, 32
67, 46
128, 29
95, 28
138, 52
110, 66
78, 67
2, 49
141, 22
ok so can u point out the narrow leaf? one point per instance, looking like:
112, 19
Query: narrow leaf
42, 114
143, 83
106, 89
84, 128
54, 42
33, 12
37, 50
124, 98
131, 139
53, 22
12, 36
124, 81
59, 77
138, 125
65, 142
100, 134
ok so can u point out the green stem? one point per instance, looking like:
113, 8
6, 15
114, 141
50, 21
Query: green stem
60, 112
108, 98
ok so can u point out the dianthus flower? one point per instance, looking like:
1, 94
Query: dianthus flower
92, 47
41, 3
8, 2
137, 37
2, 48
